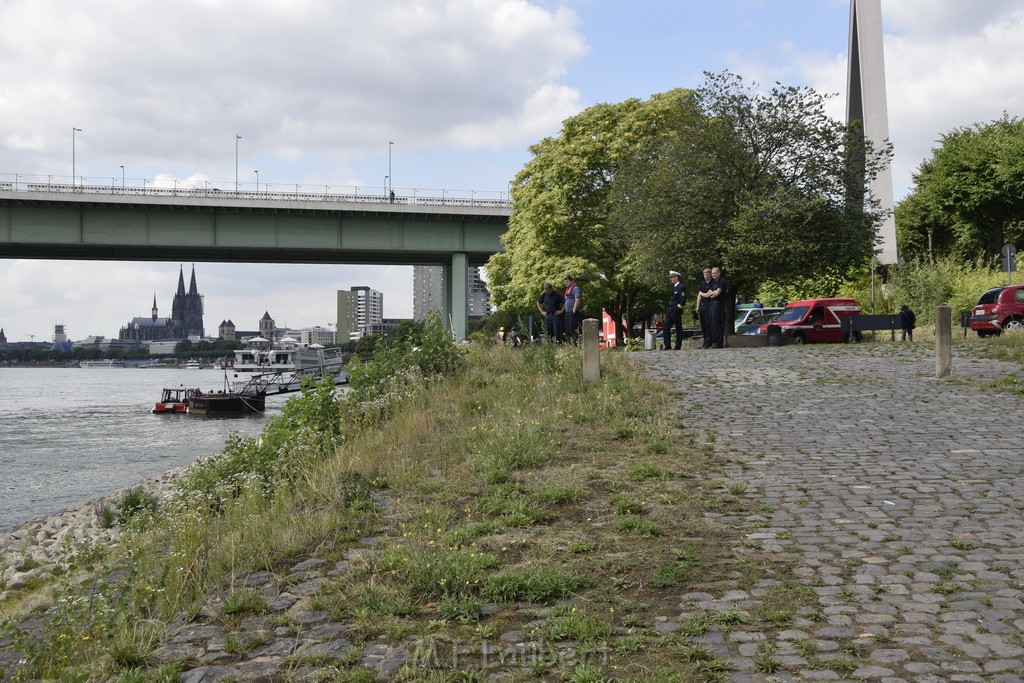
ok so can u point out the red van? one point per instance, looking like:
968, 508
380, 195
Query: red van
814, 320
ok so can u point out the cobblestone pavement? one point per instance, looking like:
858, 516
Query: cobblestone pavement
897, 495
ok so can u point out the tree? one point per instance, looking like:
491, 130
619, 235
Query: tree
561, 220
968, 199
755, 182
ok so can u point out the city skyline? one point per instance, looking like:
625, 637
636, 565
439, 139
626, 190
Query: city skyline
427, 94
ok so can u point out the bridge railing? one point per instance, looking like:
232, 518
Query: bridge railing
301, 193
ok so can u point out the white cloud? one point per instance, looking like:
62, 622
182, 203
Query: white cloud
163, 87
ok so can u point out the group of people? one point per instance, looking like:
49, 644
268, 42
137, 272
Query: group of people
562, 311
710, 310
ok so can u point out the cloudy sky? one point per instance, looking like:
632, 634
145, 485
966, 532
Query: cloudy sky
318, 88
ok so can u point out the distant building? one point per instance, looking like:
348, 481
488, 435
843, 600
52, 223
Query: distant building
226, 330
359, 308
59, 334
386, 325
428, 292
318, 335
3, 337
267, 326
186, 317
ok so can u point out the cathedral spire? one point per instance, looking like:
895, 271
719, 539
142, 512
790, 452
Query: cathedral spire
154, 306
192, 291
181, 280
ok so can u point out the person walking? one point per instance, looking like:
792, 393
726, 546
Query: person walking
702, 310
715, 300
551, 305
573, 302
908, 321
674, 313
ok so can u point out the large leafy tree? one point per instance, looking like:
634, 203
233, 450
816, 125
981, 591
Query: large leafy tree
562, 218
968, 199
755, 182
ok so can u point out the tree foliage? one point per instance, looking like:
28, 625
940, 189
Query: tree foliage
561, 219
755, 182
968, 197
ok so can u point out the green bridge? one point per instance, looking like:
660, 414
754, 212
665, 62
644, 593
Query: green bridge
162, 224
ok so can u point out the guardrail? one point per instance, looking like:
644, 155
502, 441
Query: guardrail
302, 193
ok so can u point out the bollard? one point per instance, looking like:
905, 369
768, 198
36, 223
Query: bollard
943, 341
591, 351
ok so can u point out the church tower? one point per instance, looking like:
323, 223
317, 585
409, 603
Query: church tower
187, 309
154, 306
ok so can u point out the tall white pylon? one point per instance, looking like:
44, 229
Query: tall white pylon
866, 102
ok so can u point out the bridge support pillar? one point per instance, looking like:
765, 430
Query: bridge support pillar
456, 291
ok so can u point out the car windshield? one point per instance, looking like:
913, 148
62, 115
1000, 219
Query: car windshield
791, 314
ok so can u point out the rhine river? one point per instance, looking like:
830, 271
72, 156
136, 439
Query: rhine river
68, 435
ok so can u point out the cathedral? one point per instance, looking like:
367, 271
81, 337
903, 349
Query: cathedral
186, 316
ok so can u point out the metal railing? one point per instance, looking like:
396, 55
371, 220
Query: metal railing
131, 187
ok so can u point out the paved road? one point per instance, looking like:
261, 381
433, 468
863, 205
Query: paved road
898, 495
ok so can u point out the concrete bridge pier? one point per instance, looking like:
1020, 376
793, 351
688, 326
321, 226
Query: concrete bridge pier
456, 294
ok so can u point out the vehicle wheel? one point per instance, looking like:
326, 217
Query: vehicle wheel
799, 338
1014, 324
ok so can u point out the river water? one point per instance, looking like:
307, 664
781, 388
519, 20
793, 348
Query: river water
68, 435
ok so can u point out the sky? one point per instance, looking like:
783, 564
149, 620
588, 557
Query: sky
317, 89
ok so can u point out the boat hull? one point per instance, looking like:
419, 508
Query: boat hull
215, 405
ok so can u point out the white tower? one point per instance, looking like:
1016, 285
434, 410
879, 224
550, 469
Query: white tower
866, 102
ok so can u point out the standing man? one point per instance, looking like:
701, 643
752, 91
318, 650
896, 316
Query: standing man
674, 313
572, 309
702, 309
551, 305
715, 298
908, 321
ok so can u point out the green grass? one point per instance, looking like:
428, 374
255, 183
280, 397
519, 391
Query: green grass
512, 482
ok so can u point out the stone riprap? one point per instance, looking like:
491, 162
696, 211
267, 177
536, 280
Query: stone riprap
898, 497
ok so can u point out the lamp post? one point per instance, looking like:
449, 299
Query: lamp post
237, 138
390, 182
257, 181
73, 131
122, 176
386, 184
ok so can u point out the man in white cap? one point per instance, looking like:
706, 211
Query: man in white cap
674, 313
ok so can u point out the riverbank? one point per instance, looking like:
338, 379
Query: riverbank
34, 550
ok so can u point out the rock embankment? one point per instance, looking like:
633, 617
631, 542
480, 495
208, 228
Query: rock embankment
33, 551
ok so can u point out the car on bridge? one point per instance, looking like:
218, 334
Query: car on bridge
998, 309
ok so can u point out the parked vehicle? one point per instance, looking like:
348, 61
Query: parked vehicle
814, 320
998, 309
750, 320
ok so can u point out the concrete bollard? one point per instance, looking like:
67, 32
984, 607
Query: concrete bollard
591, 351
943, 341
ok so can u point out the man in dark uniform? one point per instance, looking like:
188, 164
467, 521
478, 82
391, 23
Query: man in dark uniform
551, 305
715, 300
674, 313
702, 309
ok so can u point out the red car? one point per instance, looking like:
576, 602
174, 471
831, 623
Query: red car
998, 309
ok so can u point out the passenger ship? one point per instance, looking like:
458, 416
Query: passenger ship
261, 356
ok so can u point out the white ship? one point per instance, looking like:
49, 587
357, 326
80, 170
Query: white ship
261, 356
103, 363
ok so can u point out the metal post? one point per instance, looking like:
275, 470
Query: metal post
122, 176
257, 181
943, 341
591, 351
390, 145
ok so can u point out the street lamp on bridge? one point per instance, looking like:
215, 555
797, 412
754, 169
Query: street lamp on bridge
122, 176
257, 181
237, 138
73, 175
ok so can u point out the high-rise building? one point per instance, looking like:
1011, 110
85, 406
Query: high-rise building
428, 292
358, 309
59, 335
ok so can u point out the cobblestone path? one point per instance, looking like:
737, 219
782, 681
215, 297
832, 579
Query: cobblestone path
899, 497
